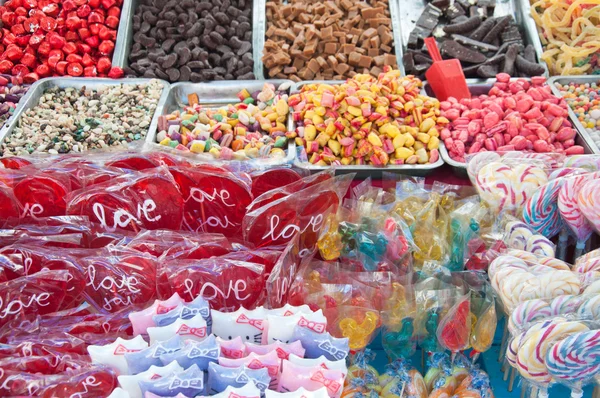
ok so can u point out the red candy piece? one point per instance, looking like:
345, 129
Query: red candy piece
457, 327
271, 179
272, 225
133, 162
317, 208
111, 210
9, 206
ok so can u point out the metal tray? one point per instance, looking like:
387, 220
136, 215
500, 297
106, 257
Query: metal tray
594, 144
34, 93
532, 33
410, 11
259, 26
483, 87
362, 171
216, 94
125, 35
9, 120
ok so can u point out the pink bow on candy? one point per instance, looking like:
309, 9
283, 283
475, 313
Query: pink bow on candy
332, 385
257, 323
122, 350
186, 330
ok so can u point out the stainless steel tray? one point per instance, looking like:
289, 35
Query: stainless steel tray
593, 142
259, 26
216, 94
34, 93
9, 120
362, 170
482, 87
410, 11
532, 33
125, 35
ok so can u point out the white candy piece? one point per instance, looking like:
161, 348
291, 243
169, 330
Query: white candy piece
299, 393
113, 355
288, 310
130, 383
320, 361
189, 329
142, 320
281, 328
248, 391
247, 324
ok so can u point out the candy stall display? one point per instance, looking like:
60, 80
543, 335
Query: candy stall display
198, 118
72, 38
583, 97
76, 115
482, 34
568, 34
352, 124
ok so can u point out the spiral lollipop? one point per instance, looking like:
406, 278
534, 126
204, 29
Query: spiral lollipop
590, 308
593, 264
527, 312
531, 356
541, 209
589, 203
566, 304
575, 360
568, 207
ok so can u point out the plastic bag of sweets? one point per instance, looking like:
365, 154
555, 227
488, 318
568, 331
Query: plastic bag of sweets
179, 244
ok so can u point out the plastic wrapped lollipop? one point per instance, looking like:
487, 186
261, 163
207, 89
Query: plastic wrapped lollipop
398, 338
575, 360
475, 385
454, 329
465, 224
570, 210
484, 326
590, 204
541, 210
401, 380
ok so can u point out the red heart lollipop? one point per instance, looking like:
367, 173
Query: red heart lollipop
271, 179
164, 159
271, 225
42, 195
118, 280
89, 382
110, 210
133, 162
224, 283
40, 293
159, 202
213, 203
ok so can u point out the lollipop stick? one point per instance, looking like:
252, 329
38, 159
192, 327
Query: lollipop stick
596, 392
503, 343
579, 248
533, 393
576, 393
543, 393
506, 371
511, 382
563, 241
475, 357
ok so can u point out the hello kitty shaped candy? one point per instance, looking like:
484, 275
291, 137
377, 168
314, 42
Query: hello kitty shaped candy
142, 320
190, 383
186, 311
142, 360
201, 353
247, 391
247, 324
233, 349
190, 329
269, 361
317, 344
299, 393
288, 310
294, 377
220, 377
113, 355
320, 361
130, 383
283, 350
281, 328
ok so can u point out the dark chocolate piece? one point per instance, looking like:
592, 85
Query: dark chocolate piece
470, 71
495, 60
422, 58
441, 4
474, 43
429, 17
465, 4
487, 71
529, 53
509, 60
495, 32
463, 27
409, 62
454, 11
529, 68
483, 29
455, 50
459, 19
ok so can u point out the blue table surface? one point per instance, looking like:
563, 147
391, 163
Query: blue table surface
488, 361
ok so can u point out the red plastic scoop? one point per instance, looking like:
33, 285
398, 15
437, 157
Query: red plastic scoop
446, 77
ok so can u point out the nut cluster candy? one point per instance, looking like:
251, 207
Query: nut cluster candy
76, 120
192, 40
43, 38
368, 121
308, 39
584, 99
469, 32
252, 128
516, 115
9, 97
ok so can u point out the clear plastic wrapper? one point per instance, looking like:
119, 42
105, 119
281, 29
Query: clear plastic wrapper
358, 324
273, 178
454, 330
178, 244
466, 222
518, 235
